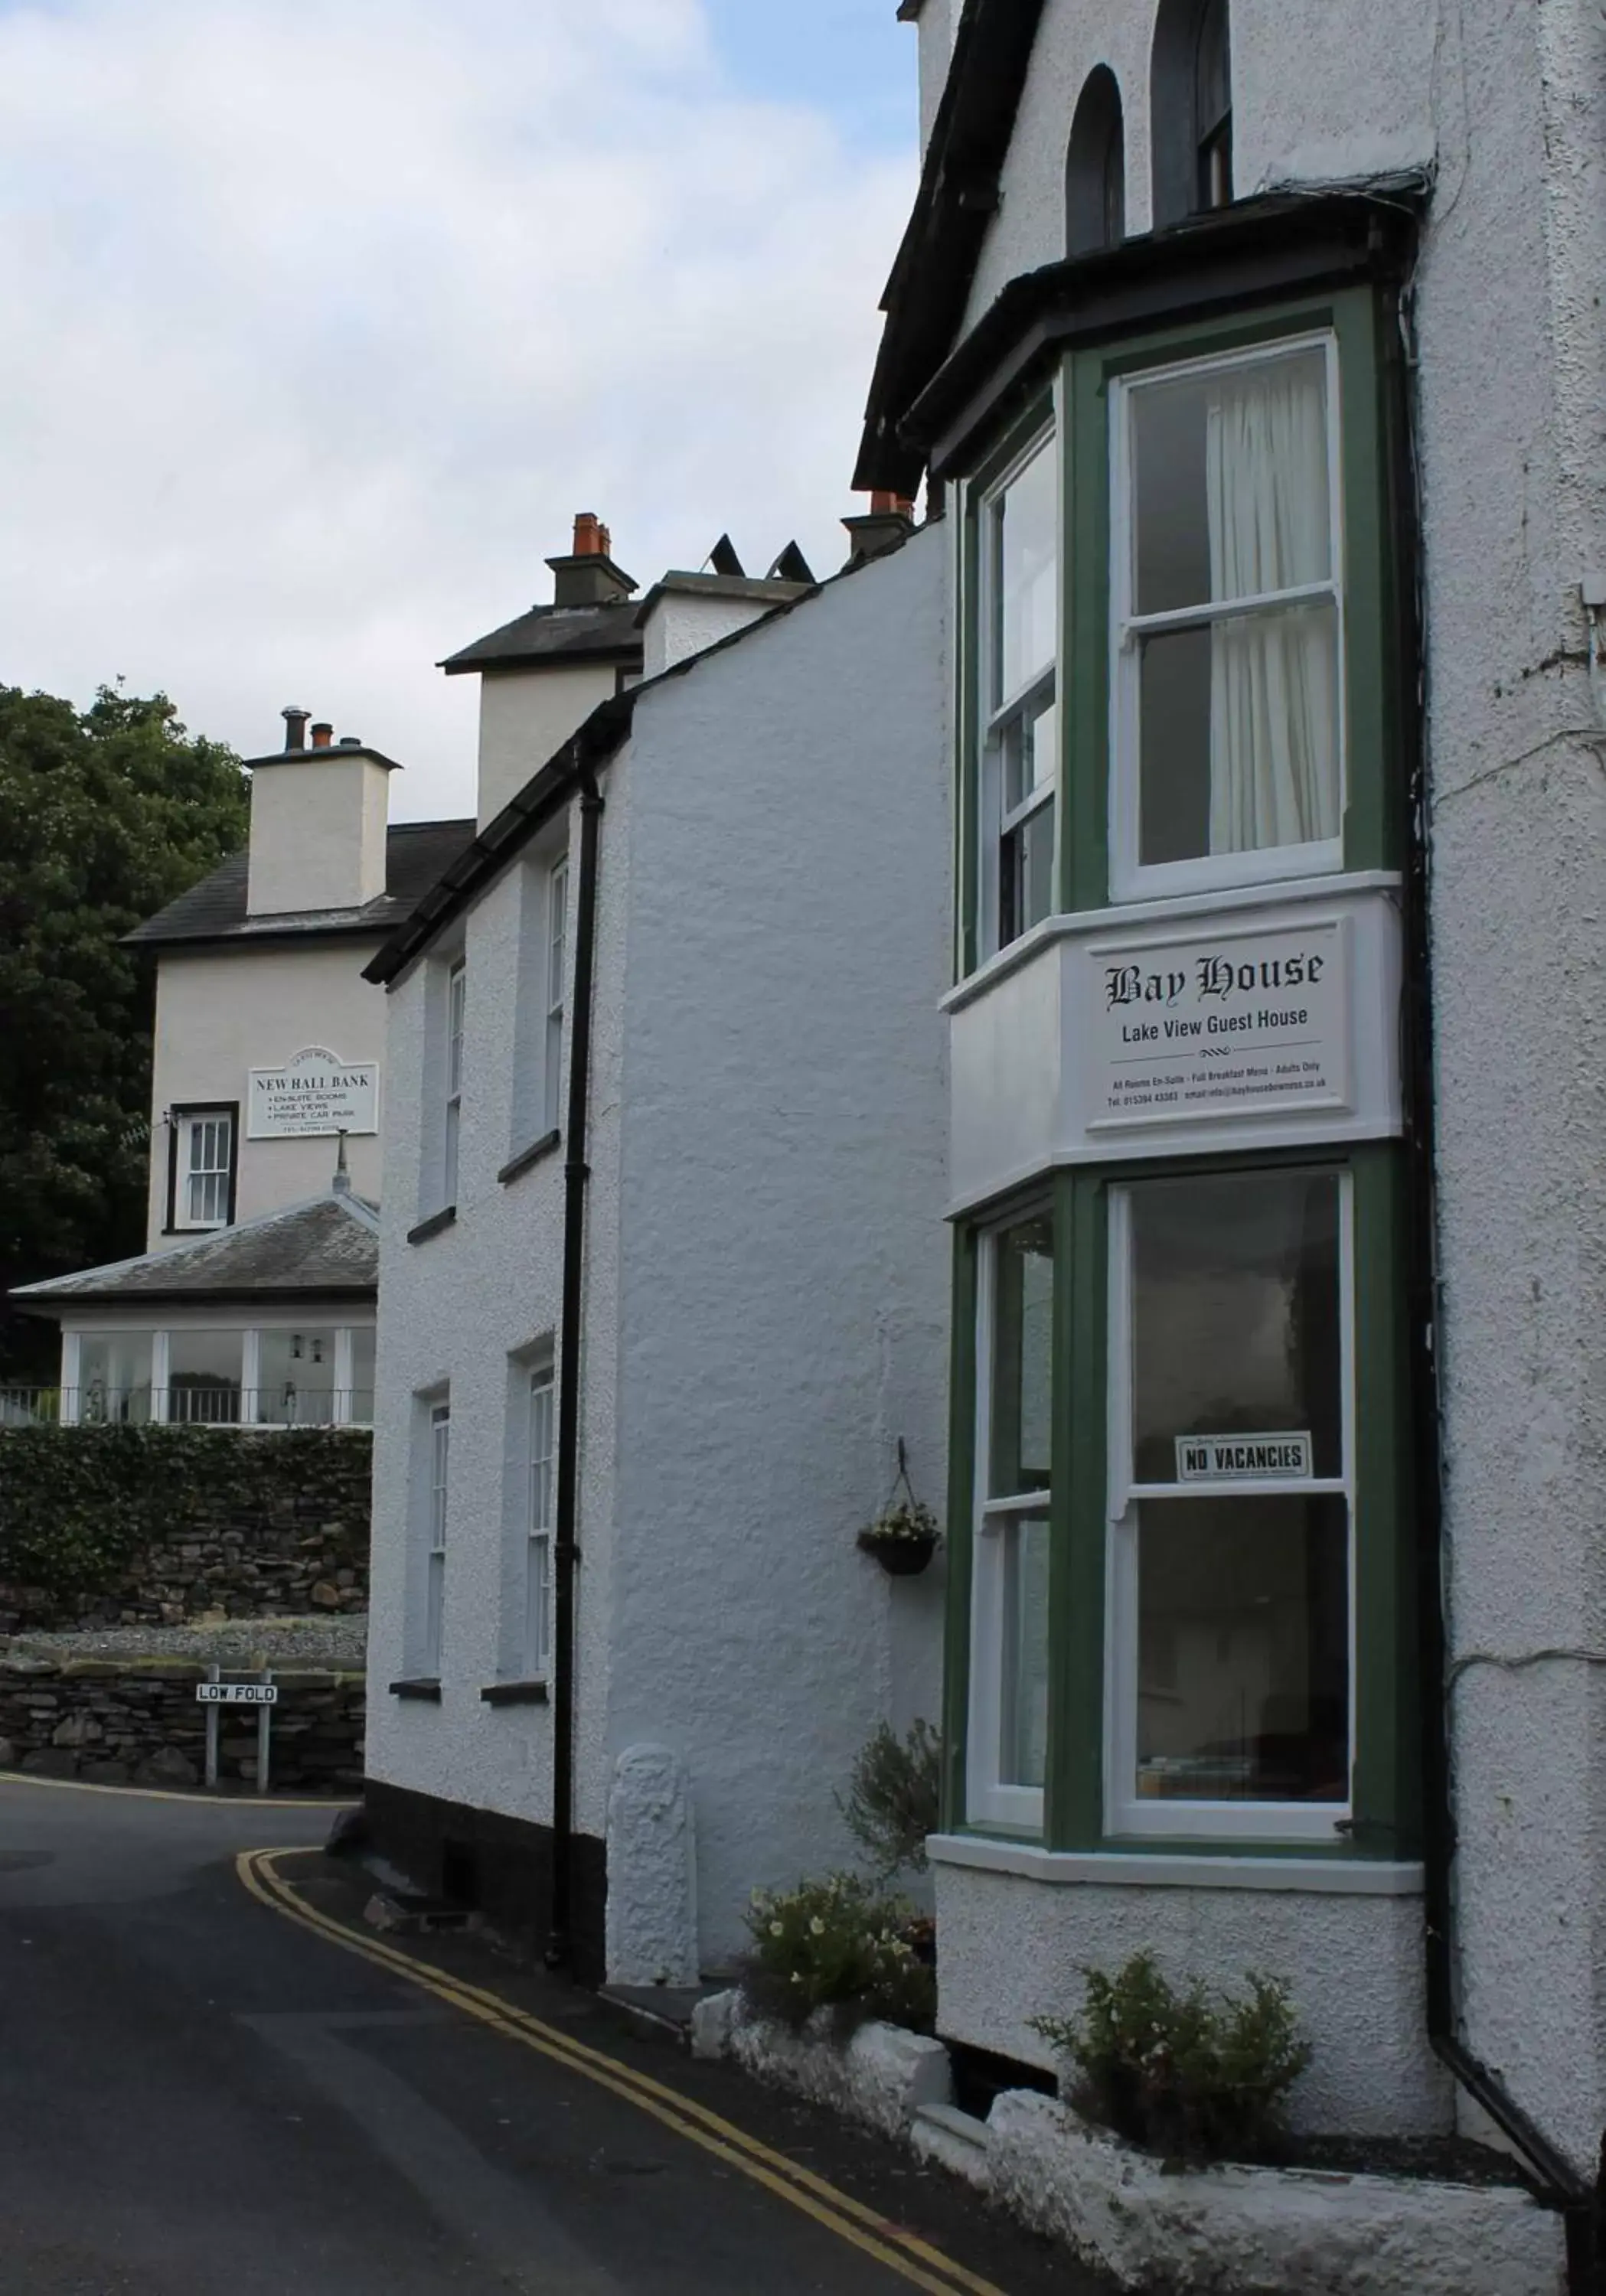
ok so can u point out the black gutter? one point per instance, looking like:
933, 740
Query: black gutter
577, 1174
1560, 2187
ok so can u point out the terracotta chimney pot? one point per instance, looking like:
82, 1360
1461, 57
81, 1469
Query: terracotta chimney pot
322, 735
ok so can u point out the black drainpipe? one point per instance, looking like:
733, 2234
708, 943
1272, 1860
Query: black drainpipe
1561, 2185
565, 1553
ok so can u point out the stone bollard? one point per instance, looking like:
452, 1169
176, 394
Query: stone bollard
652, 1905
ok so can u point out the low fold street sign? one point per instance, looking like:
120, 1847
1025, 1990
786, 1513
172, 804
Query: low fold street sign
237, 1693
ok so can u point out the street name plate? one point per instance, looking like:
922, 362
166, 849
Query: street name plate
237, 1693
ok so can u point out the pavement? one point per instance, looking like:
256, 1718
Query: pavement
214, 2077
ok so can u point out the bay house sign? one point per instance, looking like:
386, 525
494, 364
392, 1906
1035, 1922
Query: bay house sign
313, 1095
1228, 1023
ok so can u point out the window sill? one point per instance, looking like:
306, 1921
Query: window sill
514, 1694
426, 1690
216, 1228
1156, 909
516, 1166
1340, 1874
433, 1226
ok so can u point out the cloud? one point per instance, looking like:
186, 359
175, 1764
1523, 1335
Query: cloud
318, 322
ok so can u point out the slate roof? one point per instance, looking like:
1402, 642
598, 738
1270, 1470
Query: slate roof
556, 634
327, 1247
416, 853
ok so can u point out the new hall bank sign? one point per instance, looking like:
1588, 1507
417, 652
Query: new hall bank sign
312, 1096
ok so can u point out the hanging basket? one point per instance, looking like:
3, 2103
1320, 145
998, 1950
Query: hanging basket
903, 1537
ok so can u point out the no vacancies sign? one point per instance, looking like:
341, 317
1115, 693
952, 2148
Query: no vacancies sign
312, 1095
1234, 1024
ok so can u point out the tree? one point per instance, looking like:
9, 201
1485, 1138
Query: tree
106, 815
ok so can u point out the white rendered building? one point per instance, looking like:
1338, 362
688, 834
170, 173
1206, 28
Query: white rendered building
663, 1278
1258, 345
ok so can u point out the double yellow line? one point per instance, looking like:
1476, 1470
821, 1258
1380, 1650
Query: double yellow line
904, 2253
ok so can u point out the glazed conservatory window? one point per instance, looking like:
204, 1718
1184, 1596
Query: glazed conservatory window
1230, 1448
1228, 739
1009, 1674
1020, 600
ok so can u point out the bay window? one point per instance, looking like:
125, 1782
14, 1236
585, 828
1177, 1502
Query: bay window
1201, 531
1184, 1565
1008, 1733
1225, 588
1231, 1499
1019, 742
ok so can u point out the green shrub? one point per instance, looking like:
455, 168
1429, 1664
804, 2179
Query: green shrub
1182, 2072
894, 1794
837, 1944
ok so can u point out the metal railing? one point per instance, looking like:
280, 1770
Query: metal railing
187, 1402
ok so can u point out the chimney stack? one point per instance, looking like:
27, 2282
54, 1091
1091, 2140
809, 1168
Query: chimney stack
889, 520
319, 823
587, 576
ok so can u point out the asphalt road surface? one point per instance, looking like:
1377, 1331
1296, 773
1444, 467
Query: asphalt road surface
198, 2094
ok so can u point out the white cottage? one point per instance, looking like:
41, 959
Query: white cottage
663, 1280
1258, 344
266, 1098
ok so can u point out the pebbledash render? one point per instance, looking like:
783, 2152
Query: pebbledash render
663, 1272
1258, 349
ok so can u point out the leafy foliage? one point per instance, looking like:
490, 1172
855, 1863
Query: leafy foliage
1179, 2071
78, 1504
837, 1944
905, 1522
893, 1798
106, 817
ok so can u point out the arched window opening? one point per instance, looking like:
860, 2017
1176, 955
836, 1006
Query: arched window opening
1095, 169
1190, 109
1213, 109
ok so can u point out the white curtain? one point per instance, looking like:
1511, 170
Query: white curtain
1273, 675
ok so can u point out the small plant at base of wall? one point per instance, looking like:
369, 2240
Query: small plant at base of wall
1184, 2072
893, 1798
841, 1944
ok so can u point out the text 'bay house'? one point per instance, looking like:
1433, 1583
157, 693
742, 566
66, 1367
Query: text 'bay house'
1259, 350
661, 1273
254, 1301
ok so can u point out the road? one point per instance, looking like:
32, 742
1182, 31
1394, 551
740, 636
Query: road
200, 2093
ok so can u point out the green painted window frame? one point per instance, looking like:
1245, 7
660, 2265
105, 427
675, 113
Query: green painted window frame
1387, 1796
1078, 401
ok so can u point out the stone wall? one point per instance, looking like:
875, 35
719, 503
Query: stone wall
136, 1722
244, 1525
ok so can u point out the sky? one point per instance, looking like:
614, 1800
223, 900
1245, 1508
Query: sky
319, 319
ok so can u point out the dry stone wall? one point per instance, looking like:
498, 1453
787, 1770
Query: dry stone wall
163, 1526
137, 1722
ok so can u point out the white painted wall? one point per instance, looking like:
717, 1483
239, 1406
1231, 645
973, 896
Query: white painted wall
935, 27
784, 1305
1511, 379
680, 625
1320, 88
525, 717
1014, 1948
221, 1012
766, 1271
317, 832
